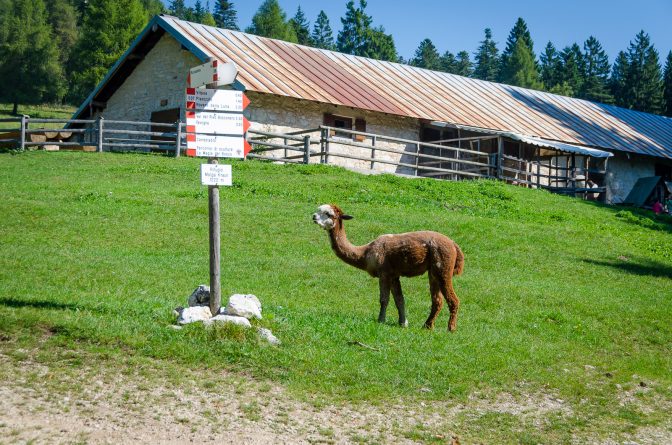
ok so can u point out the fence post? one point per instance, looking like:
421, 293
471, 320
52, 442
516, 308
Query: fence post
417, 158
325, 137
500, 152
100, 134
373, 151
24, 124
306, 149
178, 140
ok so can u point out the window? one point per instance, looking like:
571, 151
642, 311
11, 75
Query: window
345, 123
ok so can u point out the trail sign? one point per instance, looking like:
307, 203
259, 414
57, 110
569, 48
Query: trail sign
216, 100
213, 146
216, 123
216, 174
214, 72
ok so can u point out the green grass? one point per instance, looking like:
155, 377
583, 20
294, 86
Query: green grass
97, 249
44, 111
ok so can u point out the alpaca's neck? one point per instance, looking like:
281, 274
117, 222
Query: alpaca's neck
353, 255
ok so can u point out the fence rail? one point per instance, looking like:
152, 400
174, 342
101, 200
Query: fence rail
445, 159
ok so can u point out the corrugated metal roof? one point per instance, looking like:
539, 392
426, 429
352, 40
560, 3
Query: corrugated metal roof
281, 68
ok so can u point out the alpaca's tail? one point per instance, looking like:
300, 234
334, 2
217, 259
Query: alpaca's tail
459, 262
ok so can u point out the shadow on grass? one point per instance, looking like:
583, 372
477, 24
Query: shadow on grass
38, 304
644, 268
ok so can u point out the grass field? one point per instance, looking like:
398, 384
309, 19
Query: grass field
44, 111
560, 297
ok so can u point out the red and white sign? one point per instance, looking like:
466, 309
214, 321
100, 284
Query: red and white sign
216, 123
213, 146
214, 72
216, 100
216, 174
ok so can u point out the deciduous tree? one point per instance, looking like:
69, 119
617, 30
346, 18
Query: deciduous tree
271, 21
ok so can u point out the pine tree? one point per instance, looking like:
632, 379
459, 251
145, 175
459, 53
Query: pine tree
573, 68
617, 82
644, 80
198, 12
551, 66
596, 74
356, 24
426, 56
30, 71
62, 18
271, 21
153, 7
667, 86
464, 66
523, 68
510, 65
301, 27
178, 9
487, 59
107, 31
449, 63
379, 45
322, 35
225, 15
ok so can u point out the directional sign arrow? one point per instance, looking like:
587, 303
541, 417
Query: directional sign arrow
216, 100
216, 123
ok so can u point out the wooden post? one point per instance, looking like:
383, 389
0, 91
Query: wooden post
373, 151
100, 134
285, 142
417, 158
24, 124
306, 149
500, 153
215, 274
325, 137
178, 138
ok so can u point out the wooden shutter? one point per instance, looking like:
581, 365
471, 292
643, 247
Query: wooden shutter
329, 121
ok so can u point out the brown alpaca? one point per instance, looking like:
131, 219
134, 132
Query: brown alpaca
389, 257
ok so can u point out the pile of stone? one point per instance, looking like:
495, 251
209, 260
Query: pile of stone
240, 309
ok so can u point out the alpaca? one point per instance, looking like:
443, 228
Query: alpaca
389, 257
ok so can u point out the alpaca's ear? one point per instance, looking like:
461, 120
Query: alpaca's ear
346, 217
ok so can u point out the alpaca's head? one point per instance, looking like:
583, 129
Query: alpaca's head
328, 216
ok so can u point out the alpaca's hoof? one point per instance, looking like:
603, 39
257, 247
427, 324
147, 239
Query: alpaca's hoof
428, 326
452, 328
403, 324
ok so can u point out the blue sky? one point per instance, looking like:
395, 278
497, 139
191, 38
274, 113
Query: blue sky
459, 25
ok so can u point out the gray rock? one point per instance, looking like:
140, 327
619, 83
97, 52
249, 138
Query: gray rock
267, 335
200, 296
247, 306
221, 318
192, 314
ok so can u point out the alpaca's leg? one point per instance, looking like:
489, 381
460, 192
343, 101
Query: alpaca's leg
452, 300
384, 284
399, 301
437, 301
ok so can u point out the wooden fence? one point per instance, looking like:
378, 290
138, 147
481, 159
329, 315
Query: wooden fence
327, 145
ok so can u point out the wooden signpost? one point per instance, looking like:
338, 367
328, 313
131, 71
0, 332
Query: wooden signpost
216, 129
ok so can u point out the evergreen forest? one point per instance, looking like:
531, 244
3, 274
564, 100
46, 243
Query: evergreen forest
56, 51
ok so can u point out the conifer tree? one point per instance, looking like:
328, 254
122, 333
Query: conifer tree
379, 45
271, 21
322, 35
573, 68
426, 56
225, 15
551, 67
62, 17
464, 66
513, 61
596, 76
107, 30
449, 63
352, 38
667, 86
178, 9
618, 80
487, 59
30, 71
153, 7
644, 82
301, 27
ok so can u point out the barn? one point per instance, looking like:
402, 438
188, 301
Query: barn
372, 115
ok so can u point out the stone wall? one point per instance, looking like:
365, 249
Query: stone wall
622, 174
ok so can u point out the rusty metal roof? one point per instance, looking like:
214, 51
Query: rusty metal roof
287, 69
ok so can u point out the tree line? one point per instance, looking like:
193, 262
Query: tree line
59, 50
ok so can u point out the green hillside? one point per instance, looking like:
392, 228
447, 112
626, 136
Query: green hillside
559, 296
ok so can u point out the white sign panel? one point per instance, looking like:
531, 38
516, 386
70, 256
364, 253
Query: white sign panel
216, 100
212, 146
216, 174
212, 72
216, 123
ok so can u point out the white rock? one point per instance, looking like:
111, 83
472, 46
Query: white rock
200, 296
192, 314
242, 321
247, 306
267, 335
